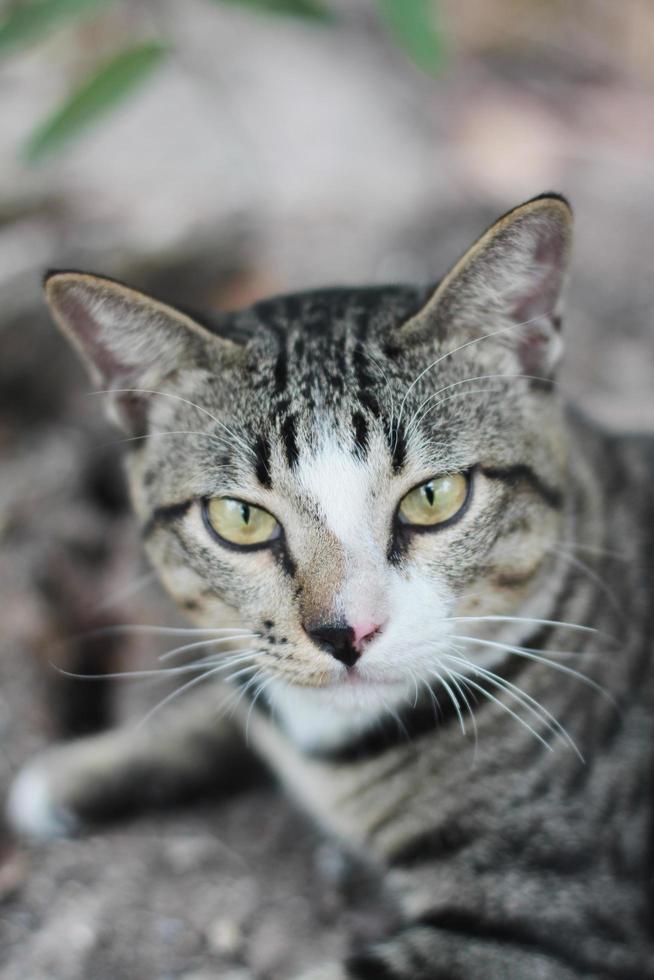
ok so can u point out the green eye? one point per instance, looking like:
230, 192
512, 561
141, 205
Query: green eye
434, 502
240, 523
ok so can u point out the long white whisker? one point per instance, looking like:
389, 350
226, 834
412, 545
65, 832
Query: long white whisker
520, 619
159, 672
455, 350
464, 381
539, 658
205, 643
177, 693
593, 576
452, 697
524, 699
236, 694
186, 401
162, 630
505, 707
465, 700
414, 421
264, 684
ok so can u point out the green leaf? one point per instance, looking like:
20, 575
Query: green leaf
310, 9
413, 25
34, 19
96, 96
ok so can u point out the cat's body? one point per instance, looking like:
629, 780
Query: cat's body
520, 612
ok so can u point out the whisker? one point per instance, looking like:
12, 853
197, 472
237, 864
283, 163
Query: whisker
595, 550
262, 687
593, 576
465, 700
455, 350
525, 700
158, 630
539, 658
160, 672
186, 401
204, 643
177, 693
452, 697
521, 619
506, 708
480, 377
221, 440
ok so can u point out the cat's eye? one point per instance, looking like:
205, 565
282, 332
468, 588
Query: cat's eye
434, 502
240, 523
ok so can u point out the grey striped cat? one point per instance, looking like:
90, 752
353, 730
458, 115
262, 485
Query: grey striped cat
425, 585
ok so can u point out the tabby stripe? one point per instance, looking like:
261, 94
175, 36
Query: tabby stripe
399, 449
281, 372
368, 966
431, 845
360, 431
473, 926
521, 473
289, 438
164, 515
262, 467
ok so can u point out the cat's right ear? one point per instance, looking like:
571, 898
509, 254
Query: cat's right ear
508, 285
128, 340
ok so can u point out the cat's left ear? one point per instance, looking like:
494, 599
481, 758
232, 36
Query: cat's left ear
509, 281
129, 341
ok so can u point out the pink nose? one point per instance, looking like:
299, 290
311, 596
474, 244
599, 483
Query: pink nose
364, 633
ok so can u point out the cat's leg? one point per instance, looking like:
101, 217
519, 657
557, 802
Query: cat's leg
170, 757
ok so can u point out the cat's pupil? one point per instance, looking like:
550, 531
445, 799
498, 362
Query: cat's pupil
245, 513
429, 494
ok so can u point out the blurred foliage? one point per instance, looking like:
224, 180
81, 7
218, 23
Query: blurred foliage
27, 22
411, 23
296, 8
108, 86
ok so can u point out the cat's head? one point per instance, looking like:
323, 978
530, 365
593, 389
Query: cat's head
344, 472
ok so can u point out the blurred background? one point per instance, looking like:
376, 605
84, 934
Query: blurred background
212, 152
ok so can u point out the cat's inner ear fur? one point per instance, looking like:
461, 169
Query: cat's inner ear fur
128, 340
509, 281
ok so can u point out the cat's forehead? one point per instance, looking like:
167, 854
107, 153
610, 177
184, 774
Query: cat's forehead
332, 314
324, 353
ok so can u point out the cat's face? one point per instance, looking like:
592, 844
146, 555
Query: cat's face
346, 474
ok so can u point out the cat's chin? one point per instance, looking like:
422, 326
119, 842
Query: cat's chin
331, 713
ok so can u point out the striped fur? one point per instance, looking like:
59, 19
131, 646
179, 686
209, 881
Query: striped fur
491, 749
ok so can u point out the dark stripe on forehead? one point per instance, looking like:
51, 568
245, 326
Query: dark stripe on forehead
399, 449
521, 473
396, 441
289, 439
360, 425
281, 371
262, 466
361, 364
164, 515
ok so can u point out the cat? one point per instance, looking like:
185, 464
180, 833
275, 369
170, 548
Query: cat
427, 583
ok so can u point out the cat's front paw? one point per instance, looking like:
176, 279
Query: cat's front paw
33, 809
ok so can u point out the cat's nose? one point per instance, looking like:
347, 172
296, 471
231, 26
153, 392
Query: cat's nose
364, 632
338, 640
344, 642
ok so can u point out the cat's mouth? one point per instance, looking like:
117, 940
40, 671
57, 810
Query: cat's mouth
354, 677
